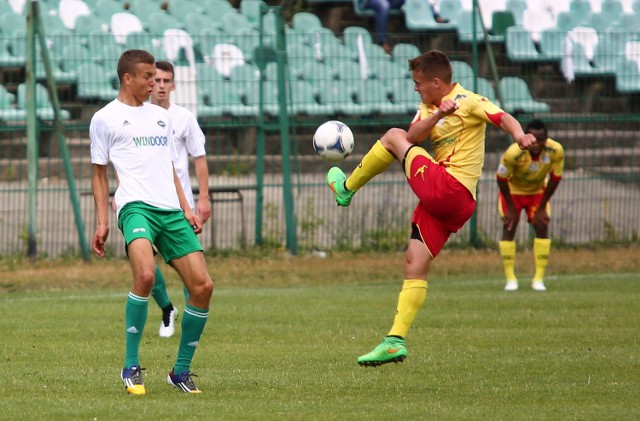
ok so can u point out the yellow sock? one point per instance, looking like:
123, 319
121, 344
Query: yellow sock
375, 162
541, 249
410, 300
508, 252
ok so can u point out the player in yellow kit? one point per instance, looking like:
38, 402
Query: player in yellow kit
522, 179
454, 120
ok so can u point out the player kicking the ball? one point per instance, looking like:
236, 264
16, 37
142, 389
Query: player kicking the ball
454, 120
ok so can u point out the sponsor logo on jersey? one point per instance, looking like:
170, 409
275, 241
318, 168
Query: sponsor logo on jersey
126, 123
459, 96
161, 123
139, 230
150, 140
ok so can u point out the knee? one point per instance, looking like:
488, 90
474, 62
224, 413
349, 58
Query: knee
145, 280
392, 137
203, 289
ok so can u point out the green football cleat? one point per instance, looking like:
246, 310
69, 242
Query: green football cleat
336, 180
391, 350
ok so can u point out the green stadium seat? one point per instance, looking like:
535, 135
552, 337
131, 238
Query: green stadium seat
216, 7
251, 93
234, 22
298, 54
517, 98
305, 22
195, 23
373, 96
179, 9
161, 21
320, 36
403, 52
462, 72
339, 97
8, 107
451, 9
627, 77
226, 96
581, 11
520, 46
318, 72
11, 22
517, 8
500, 21
96, 82
12, 50
335, 53
551, 44
351, 72
389, 71
251, 9
44, 109
486, 90
404, 96
351, 35
107, 8
465, 28
612, 10
303, 99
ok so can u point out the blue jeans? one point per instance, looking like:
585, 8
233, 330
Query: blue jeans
382, 7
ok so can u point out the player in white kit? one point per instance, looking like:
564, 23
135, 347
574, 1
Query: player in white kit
152, 210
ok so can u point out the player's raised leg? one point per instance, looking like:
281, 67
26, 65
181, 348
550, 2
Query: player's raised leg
375, 162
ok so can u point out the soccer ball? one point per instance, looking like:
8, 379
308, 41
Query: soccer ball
333, 141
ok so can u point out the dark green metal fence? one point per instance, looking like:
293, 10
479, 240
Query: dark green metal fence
263, 172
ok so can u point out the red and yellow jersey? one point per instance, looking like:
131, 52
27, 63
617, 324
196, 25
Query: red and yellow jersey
527, 175
458, 139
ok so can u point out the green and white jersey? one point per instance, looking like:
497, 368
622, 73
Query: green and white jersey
138, 141
189, 141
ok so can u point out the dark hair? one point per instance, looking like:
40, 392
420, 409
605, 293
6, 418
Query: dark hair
433, 63
536, 124
130, 58
165, 66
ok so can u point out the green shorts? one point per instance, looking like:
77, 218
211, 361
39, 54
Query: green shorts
167, 229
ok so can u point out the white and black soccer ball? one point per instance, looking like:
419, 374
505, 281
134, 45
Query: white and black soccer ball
333, 141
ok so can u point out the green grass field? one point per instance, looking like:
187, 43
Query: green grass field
289, 352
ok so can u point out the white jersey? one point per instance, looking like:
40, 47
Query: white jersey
139, 143
189, 141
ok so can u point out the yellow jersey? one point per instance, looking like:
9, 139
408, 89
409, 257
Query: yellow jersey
528, 175
458, 138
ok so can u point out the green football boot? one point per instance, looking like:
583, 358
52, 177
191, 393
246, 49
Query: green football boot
336, 180
391, 350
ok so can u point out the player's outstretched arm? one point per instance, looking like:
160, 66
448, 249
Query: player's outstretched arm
510, 125
100, 188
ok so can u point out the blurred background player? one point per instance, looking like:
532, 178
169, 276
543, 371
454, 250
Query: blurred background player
189, 141
522, 179
454, 120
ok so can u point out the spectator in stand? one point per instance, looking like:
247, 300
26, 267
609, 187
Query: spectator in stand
382, 9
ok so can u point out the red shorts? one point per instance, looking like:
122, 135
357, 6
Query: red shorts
528, 202
445, 204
